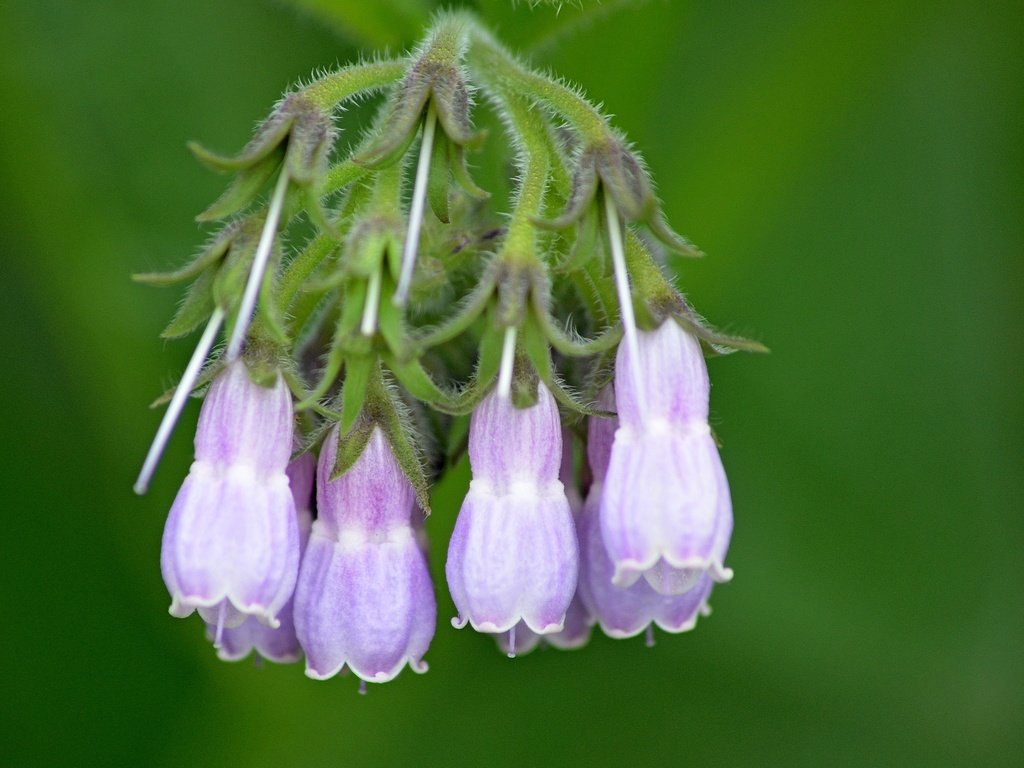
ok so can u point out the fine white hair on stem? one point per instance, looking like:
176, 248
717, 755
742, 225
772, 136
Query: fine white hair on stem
181, 393
419, 198
372, 303
625, 298
259, 266
508, 351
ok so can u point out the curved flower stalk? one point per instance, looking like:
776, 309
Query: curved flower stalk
666, 513
279, 645
513, 555
231, 543
364, 599
623, 611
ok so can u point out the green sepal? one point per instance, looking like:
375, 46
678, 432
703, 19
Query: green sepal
439, 177
203, 380
407, 104
461, 175
351, 445
329, 374
391, 324
586, 244
417, 381
624, 177
210, 255
487, 365
195, 309
244, 187
662, 231
574, 345
465, 314
370, 239
582, 193
352, 308
310, 141
273, 319
718, 342
535, 347
268, 137
353, 390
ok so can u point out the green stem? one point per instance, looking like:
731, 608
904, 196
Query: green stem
329, 91
580, 113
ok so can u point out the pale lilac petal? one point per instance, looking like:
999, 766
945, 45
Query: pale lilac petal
513, 557
627, 612
674, 378
373, 494
364, 599
243, 422
366, 605
509, 444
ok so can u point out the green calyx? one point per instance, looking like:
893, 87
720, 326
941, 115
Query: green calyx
514, 278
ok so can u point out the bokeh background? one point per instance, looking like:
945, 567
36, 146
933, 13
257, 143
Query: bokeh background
855, 171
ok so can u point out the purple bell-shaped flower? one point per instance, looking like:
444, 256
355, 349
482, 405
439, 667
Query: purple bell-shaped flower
513, 555
624, 611
575, 633
278, 645
364, 596
231, 543
665, 510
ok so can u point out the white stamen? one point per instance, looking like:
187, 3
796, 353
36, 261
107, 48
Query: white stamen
181, 393
512, 642
259, 266
508, 353
371, 305
625, 298
419, 197
649, 638
362, 687
219, 635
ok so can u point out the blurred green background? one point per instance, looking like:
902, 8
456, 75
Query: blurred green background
855, 172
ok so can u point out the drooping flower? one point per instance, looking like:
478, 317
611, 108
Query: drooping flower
279, 645
665, 511
231, 542
364, 597
575, 633
623, 611
513, 554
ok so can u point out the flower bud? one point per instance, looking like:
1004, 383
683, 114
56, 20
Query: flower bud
665, 511
513, 555
231, 543
364, 597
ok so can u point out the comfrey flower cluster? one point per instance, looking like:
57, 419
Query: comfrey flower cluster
385, 314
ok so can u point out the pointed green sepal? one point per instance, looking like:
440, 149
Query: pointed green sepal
358, 369
439, 177
194, 310
244, 188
